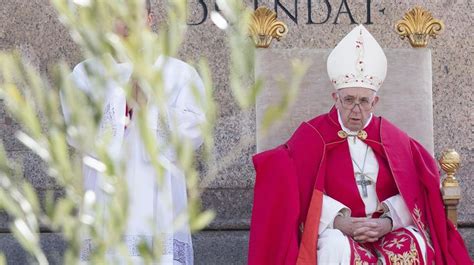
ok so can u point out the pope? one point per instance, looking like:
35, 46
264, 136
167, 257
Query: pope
349, 187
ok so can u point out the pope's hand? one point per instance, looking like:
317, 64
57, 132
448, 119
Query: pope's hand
363, 229
348, 225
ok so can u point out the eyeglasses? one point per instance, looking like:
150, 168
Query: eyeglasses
350, 102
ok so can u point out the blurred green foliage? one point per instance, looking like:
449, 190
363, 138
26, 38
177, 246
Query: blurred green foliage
33, 101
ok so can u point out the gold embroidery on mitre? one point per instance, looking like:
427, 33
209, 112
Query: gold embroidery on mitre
359, 76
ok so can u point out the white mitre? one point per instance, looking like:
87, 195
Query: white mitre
357, 61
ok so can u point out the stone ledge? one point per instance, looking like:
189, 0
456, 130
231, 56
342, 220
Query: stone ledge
220, 247
467, 234
52, 244
210, 247
233, 207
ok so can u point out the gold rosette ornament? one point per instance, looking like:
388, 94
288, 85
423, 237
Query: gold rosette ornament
418, 25
264, 27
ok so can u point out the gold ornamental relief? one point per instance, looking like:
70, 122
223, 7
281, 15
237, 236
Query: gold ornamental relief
264, 27
418, 25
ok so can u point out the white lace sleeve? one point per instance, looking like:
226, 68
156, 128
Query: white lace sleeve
113, 109
183, 115
79, 78
186, 112
113, 120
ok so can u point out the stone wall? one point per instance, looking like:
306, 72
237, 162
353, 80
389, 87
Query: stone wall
33, 28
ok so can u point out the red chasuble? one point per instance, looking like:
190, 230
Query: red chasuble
292, 178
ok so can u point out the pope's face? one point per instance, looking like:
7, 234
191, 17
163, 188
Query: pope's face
355, 105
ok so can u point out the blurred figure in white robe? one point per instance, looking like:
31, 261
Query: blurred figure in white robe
153, 206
